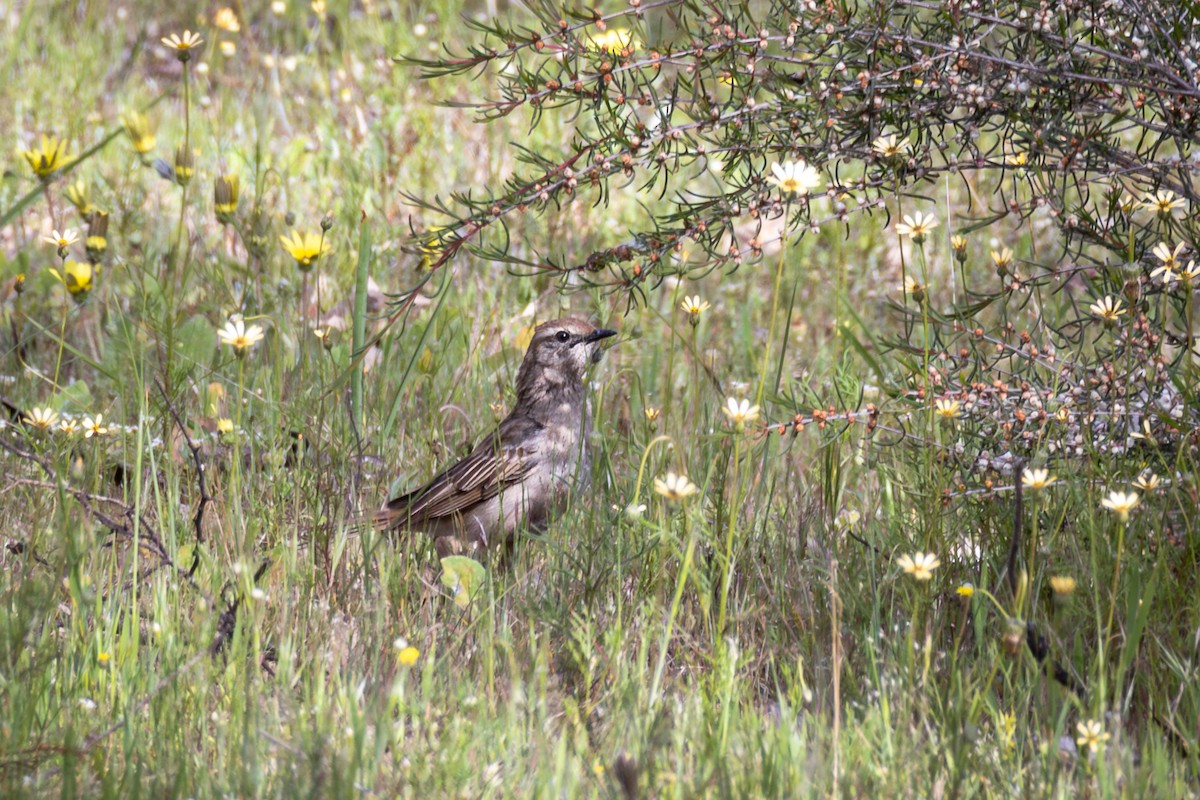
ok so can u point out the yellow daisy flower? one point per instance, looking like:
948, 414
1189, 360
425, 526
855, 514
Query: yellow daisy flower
94, 426
890, 147
675, 487
917, 226
947, 409
1121, 503
49, 158
1037, 479
305, 248
919, 565
1091, 734
1108, 309
42, 418
615, 41
239, 336
140, 130
183, 45
794, 177
1162, 202
1062, 585
76, 276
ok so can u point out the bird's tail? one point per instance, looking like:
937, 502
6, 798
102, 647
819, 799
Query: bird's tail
385, 520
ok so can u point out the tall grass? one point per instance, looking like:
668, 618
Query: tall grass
192, 607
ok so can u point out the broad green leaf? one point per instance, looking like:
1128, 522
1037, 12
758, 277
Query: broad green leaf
197, 340
463, 576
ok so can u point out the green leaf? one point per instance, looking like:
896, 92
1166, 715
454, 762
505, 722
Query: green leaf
463, 576
75, 398
197, 340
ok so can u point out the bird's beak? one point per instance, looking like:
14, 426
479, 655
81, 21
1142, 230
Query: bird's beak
598, 334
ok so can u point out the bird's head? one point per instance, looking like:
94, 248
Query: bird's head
558, 356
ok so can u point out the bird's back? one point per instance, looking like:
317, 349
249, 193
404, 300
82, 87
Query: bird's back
517, 477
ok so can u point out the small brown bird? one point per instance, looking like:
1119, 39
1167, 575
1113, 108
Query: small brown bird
521, 474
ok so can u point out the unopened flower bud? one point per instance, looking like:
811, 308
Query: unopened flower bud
185, 165
225, 198
97, 236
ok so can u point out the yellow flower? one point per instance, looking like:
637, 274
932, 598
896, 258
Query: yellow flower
305, 248
228, 49
1146, 434
224, 425
889, 147
913, 289
1162, 202
1091, 734
1190, 273
1108, 309
225, 198
42, 418
794, 177
94, 426
1017, 159
1062, 585
318, 7
847, 519
615, 41
1003, 260
1037, 479
279, 7
406, 654
675, 487
226, 19
430, 246
325, 338
966, 590
1008, 731
183, 45
1170, 262
958, 244
104, 658
61, 240
76, 276
140, 130
740, 412
1147, 481
68, 426
919, 565
917, 226
694, 307
1168, 256
49, 158
1121, 503
77, 194
238, 336
947, 409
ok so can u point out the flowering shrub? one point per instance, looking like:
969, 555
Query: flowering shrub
752, 129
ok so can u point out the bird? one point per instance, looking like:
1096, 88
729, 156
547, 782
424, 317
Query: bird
519, 476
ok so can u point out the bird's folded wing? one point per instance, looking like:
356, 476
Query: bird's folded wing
491, 467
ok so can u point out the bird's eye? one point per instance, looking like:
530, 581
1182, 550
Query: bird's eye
563, 336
